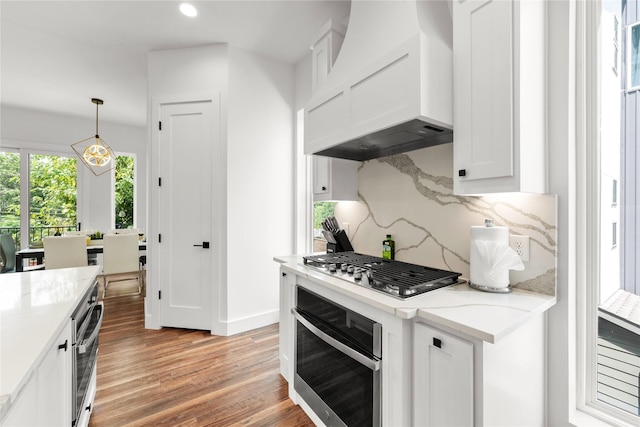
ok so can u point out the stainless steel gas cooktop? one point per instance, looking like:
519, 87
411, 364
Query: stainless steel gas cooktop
395, 278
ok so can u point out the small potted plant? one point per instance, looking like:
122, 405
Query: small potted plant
96, 238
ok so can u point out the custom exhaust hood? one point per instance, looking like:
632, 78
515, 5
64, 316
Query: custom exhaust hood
391, 87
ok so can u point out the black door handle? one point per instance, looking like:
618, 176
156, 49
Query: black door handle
204, 245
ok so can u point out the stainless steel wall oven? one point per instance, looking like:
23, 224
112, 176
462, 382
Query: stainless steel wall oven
86, 322
338, 356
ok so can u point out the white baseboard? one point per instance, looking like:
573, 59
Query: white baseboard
237, 326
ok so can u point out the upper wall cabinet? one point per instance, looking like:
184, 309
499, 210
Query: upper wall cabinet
334, 179
499, 96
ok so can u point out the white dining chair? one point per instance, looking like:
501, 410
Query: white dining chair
120, 259
65, 251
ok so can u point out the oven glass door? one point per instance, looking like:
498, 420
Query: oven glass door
349, 388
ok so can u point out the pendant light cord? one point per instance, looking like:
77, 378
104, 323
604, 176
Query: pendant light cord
98, 103
97, 107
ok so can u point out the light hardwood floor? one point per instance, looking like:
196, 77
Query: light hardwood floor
177, 377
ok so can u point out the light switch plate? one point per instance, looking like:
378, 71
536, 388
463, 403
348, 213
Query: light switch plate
520, 244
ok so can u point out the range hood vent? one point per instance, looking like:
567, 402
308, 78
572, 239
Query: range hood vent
391, 87
408, 136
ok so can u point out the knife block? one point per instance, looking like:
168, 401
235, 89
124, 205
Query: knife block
342, 243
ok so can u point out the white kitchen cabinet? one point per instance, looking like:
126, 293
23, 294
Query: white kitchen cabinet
499, 96
334, 179
443, 378
46, 397
467, 381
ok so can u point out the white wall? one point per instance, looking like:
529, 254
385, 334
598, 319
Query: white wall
256, 190
259, 185
561, 116
303, 194
40, 130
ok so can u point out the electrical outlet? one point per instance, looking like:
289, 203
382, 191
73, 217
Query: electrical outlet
520, 244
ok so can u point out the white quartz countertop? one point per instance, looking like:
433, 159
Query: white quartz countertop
483, 315
34, 308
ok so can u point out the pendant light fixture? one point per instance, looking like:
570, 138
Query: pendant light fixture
94, 152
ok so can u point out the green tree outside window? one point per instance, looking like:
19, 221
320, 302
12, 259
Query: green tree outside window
124, 191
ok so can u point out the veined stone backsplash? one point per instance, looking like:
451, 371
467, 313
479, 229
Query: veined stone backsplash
410, 196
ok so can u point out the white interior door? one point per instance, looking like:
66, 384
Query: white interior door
185, 249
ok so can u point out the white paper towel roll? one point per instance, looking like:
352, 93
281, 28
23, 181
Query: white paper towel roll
482, 272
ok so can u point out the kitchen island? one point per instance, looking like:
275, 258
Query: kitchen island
35, 309
453, 352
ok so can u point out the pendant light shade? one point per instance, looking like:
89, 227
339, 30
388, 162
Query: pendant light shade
94, 152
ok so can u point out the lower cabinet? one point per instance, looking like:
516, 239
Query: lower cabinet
443, 372
463, 381
46, 398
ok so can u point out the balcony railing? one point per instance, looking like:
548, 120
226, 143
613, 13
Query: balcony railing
35, 233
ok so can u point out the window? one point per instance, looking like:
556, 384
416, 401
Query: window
633, 55
52, 195
38, 196
10, 194
124, 192
321, 211
616, 43
612, 323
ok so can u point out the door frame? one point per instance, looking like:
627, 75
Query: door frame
218, 200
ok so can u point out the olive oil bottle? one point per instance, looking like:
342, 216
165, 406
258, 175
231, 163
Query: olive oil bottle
388, 248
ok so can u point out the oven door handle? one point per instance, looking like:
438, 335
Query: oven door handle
372, 364
86, 343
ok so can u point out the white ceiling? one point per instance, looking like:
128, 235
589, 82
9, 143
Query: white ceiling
57, 55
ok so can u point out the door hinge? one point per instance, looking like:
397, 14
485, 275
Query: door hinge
159, 294
159, 182
159, 125
159, 238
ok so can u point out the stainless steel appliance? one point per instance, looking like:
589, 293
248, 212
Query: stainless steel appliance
398, 279
338, 357
85, 321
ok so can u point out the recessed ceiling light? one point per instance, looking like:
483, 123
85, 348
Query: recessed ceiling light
188, 9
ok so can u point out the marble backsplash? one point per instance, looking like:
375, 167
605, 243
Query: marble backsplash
410, 196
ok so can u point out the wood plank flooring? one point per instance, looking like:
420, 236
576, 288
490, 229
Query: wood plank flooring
177, 377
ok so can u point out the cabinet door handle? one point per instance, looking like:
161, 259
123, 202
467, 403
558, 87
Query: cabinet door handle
64, 346
204, 245
324, 188
437, 342
462, 172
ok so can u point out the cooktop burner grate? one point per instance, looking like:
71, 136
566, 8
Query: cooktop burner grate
400, 279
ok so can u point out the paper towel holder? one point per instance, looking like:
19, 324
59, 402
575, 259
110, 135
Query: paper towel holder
483, 288
488, 223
